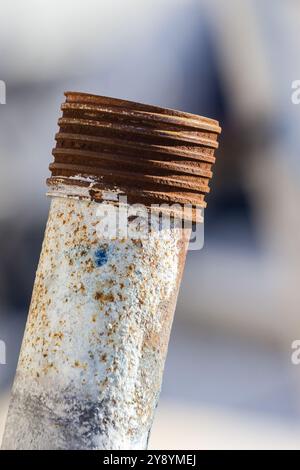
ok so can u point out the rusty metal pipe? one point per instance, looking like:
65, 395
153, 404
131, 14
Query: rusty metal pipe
93, 354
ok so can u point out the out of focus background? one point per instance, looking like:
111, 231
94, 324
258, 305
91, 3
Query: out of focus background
229, 381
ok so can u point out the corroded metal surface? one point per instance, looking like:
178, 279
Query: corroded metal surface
93, 354
96, 339
151, 154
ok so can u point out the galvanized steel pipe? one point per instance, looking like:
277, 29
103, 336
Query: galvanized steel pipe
93, 354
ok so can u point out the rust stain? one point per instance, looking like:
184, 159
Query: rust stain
102, 297
152, 154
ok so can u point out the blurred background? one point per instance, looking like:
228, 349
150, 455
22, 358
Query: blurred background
229, 381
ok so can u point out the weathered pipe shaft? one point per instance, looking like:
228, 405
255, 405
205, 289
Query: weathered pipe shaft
93, 354
92, 359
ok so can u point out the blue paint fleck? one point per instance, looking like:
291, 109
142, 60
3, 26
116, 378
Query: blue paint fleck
101, 257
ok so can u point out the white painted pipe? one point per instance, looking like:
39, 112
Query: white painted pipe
92, 359
96, 339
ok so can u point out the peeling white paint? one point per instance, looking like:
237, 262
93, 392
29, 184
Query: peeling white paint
82, 192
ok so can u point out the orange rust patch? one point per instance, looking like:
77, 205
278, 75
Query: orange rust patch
89, 265
58, 335
104, 297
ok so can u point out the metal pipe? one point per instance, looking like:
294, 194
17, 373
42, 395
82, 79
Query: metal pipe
93, 354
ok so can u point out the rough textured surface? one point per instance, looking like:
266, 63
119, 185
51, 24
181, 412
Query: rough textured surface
151, 154
92, 358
